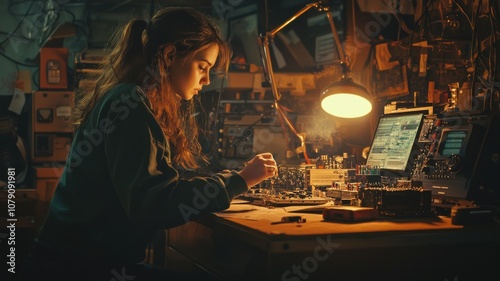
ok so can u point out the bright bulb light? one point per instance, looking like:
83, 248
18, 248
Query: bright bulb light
346, 105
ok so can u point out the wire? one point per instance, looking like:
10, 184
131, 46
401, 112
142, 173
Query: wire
402, 23
493, 13
215, 136
73, 17
19, 24
492, 63
355, 35
419, 24
440, 8
12, 35
493, 42
33, 76
16, 3
245, 134
17, 62
463, 12
474, 38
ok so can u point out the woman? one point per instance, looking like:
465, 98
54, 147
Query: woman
121, 182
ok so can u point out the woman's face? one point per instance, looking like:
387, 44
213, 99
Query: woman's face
189, 75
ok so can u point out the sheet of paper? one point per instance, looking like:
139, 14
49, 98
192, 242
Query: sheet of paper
253, 212
309, 209
17, 102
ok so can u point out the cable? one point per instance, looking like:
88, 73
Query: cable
22, 13
463, 12
73, 17
237, 140
33, 76
213, 151
355, 34
474, 34
492, 63
493, 13
402, 23
19, 24
418, 24
17, 62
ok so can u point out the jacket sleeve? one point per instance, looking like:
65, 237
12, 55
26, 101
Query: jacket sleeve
149, 189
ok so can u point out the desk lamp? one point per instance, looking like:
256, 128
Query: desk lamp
343, 98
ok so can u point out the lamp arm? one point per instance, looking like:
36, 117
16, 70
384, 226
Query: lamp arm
301, 137
268, 66
344, 61
306, 8
269, 75
264, 41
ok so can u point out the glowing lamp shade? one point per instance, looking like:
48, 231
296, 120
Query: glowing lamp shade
346, 99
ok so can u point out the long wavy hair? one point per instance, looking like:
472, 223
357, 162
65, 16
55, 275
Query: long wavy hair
139, 56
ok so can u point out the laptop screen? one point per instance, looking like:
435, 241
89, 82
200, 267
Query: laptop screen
393, 141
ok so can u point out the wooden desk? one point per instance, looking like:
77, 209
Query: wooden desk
236, 248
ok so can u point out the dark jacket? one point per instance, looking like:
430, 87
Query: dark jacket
118, 187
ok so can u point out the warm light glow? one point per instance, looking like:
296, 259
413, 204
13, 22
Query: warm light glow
346, 105
346, 99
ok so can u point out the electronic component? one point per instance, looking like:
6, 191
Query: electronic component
457, 159
399, 202
51, 131
469, 215
325, 177
349, 213
53, 68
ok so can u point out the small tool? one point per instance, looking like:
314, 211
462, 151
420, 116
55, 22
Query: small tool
289, 219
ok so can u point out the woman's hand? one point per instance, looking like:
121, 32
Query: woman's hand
261, 167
